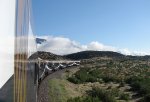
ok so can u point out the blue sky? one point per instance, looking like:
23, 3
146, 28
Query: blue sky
118, 23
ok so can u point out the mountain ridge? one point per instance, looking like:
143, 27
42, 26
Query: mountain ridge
92, 54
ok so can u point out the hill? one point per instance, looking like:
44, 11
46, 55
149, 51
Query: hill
46, 56
92, 54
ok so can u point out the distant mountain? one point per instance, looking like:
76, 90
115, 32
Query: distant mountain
46, 56
92, 54
40, 40
147, 57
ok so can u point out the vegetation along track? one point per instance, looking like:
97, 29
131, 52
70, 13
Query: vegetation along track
43, 91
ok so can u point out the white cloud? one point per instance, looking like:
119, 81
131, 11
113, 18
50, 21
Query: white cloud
134, 53
125, 51
99, 46
62, 45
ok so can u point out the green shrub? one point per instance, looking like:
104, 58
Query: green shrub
146, 98
74, 80
142, 85
102, 94
82, 76
84, 99
124, 96
95, 95
114, 92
